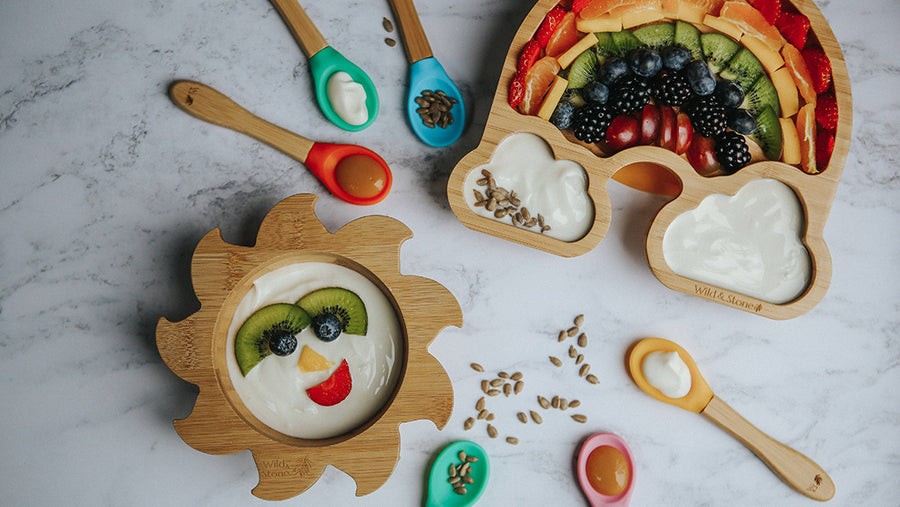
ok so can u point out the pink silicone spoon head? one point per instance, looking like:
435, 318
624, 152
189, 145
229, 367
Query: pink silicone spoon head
592, 443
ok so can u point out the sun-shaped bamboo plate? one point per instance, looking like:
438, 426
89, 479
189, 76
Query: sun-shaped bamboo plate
194, 348
658, 170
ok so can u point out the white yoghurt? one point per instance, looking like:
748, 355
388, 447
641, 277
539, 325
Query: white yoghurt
275, 389
557, 189
668, 373
749, 243
348, 98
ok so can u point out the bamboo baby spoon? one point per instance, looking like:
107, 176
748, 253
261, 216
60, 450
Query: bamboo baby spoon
325, 61
798, 471
352, 173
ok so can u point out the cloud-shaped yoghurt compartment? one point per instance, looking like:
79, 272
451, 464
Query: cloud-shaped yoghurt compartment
551, 194
749, 243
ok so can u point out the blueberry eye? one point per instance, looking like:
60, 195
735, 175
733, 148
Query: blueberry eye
326, 326
282, 343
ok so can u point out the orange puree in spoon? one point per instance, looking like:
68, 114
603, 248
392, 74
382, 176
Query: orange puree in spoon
360, 176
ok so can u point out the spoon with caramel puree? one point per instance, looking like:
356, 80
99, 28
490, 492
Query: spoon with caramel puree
352, 173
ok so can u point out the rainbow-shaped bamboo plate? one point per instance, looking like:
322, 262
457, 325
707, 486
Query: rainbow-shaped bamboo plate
740, 112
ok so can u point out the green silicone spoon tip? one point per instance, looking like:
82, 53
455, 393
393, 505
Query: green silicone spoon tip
441, 493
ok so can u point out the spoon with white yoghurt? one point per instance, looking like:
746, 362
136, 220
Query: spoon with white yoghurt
666, 371
345, 93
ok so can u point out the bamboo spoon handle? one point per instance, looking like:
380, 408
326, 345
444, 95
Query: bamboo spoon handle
800, 472
209, 105
308, 36
414, 40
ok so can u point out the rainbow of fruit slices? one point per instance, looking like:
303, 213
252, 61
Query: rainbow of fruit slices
793, 97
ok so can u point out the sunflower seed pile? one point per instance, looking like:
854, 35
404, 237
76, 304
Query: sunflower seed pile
434, 108
504, 384
460, 474
505, 203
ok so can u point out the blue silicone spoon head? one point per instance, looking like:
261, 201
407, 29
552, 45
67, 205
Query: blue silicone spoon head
440, 492
427, 74
322, 66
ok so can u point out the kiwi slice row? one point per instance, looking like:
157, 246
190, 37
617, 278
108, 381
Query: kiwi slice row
251, 344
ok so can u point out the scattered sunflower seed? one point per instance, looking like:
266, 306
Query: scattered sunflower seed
563, 404
507, 389
572, 331
579, 359
503, 374
491, 431
519, 386
469, 423
454, 479
582, 340
522, 417
580, 418
490, 417
467, 479
543, 402
390, 42
555, 361
497, 382
562, 336
555, 402
485, 386
593, 379
493, 392
452, 470
512, 440
482, 414
472, 459
516, 376
388, 26
536, 417
574, 403
462, 455
572, 352
585, 368
579, 320
459, 490
479, 406
475, 366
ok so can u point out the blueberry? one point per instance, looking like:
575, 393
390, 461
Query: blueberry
596, 91
563, 115
676, 57
612, 70
700, 78
326, 326
282, 343
740, 121
730, 94
644, 62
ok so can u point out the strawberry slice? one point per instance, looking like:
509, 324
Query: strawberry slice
770, 9
819, 68
824, 147
549, 25
794, 28
516, 90
827, 111
530, 54
335, 388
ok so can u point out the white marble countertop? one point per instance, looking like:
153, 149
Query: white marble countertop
107, 188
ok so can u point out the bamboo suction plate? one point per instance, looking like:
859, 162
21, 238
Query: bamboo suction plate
195, 348
655, 169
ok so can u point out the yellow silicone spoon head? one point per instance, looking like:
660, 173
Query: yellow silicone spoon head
695, 400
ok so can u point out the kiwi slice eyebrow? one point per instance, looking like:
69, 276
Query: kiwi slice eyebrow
251, 344
342, 303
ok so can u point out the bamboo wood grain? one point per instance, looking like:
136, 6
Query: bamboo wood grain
195, 348
302, 28
414, 40
798, 471
674, 176
208, 104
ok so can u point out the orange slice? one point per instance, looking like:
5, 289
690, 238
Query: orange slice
598, 8
565, 36
537, 82
806, 129
752, 22
795, 63
693, 11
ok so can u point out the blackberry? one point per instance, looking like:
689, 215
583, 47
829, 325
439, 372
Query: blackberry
732, 151
591, 122
670, 88
707, 116
631, 94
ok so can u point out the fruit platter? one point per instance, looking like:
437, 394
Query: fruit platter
309, 349
738, 110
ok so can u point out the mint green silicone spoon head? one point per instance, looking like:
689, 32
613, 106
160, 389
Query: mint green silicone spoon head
468, 459
351, 102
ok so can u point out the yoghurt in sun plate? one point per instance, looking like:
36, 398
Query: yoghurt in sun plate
275, 390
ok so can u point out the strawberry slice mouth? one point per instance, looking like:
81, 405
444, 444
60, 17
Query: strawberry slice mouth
334, 389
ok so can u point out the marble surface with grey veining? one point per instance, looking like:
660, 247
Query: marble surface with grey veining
106, 187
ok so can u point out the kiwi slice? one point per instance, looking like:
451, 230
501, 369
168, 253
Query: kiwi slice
761, 94
768, 133
743, 68
342, 303
605, 45
581, 72
688, 36
625, 41
657, 35
251, 344
718, 50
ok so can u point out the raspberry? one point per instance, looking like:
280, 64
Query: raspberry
591, 122
732, 151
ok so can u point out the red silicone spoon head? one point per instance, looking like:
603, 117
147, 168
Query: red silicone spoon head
352, 173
